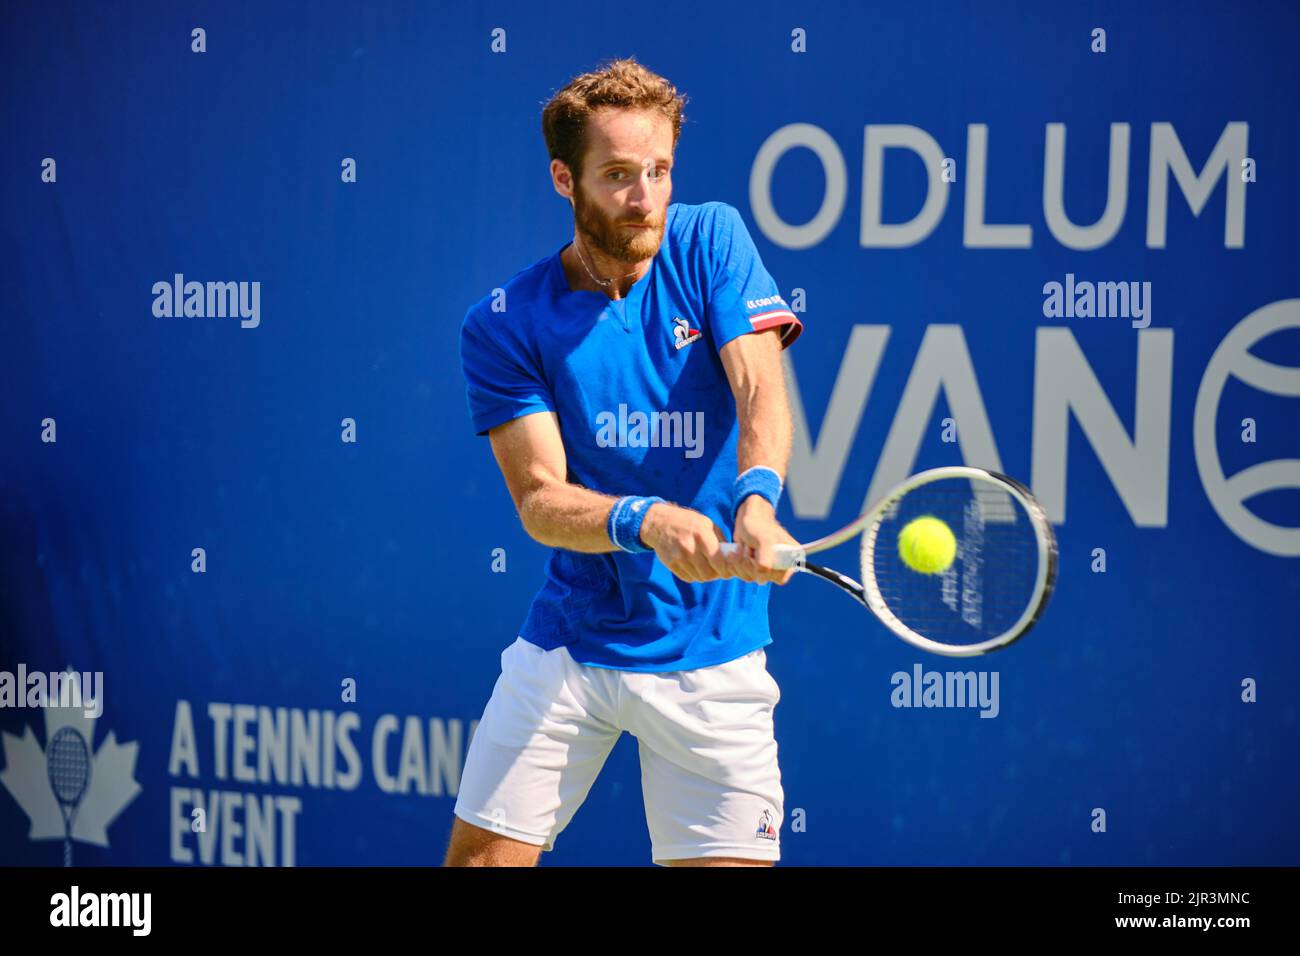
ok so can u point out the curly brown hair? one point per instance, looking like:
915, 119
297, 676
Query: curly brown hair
621, 84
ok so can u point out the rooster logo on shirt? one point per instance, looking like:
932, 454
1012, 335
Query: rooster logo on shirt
683, 334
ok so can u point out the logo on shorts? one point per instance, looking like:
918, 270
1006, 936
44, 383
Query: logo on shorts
765, 829
683, 333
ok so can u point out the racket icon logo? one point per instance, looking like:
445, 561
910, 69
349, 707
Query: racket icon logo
68, 761
69, 789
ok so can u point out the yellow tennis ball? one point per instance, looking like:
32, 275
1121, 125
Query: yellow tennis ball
927, 545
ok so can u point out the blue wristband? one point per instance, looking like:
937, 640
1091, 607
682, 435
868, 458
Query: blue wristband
625, 519
758, 480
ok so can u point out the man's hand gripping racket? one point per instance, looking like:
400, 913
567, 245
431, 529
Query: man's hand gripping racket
956, 561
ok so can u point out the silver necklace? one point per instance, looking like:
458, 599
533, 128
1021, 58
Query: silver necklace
600, 282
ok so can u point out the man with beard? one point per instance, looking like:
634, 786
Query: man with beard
631, 387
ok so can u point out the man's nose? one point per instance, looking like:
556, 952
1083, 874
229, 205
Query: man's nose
639, 197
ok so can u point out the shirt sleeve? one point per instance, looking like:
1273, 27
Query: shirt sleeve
743, 297
501, 383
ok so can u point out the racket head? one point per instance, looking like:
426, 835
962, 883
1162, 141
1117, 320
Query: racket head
999, 582
68, 765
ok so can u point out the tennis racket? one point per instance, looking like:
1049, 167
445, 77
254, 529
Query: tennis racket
995, 588
67, 761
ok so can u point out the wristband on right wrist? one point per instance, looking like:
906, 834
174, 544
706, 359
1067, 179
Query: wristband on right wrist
625, 519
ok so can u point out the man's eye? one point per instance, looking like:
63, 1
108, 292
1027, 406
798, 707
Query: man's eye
656, 174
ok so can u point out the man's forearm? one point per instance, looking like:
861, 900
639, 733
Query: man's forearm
766, 430
766, 437
565, 515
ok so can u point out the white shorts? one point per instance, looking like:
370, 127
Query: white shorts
709, 772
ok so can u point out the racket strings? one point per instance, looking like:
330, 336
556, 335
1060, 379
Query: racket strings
69, 765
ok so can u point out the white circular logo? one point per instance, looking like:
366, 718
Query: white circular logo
1233, 358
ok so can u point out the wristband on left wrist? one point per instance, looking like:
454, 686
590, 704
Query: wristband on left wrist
759, 480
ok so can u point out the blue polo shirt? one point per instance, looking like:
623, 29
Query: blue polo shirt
644, 407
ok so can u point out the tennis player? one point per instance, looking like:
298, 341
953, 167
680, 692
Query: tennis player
631, 387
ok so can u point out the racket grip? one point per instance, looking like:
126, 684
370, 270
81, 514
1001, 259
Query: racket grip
785, 556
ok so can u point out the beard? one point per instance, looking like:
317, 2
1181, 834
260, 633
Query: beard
610, 237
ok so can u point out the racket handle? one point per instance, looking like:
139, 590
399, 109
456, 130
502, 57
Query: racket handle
785, 556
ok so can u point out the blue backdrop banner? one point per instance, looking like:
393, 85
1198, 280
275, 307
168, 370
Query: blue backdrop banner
257, 526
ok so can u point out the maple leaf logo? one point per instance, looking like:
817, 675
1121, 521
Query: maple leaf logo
111, 786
